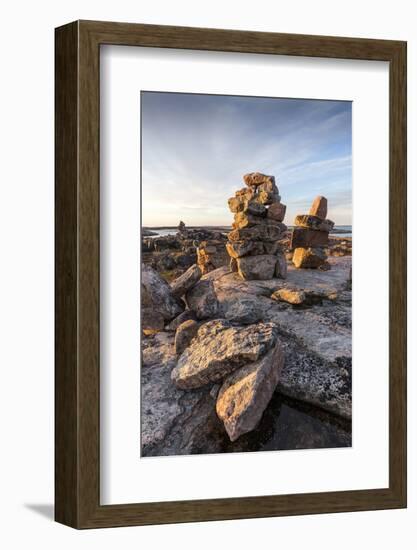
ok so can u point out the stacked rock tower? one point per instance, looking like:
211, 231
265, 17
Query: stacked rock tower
310, 236
253, 244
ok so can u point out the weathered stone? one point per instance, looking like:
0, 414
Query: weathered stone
239, 248
257, 267
256, 209
237, 204
277, 211
185, 333
159, 294
202, 299
308, 238
244, 219
266, 197
308, 257
218, 349
173, 421
245, 394
319, 207
247, 192
268, 233
241, 204
152, 321
182, 317
256, 178
314, 222
281, 267
271, 248
294, 296
186, 281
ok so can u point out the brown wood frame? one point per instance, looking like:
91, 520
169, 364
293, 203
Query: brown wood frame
77, 274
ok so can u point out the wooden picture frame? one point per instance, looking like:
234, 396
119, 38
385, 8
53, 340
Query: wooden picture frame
77, 375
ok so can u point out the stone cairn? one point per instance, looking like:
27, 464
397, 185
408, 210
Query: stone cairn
253, 245
310, 236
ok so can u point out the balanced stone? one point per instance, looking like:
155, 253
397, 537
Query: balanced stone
257, 267
277, 211
268, 233
308, 257
302, 237
256, 178
313, 222
319, 207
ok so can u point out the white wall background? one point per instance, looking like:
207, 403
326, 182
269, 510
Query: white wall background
26, 275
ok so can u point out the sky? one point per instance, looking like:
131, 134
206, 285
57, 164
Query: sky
196, 149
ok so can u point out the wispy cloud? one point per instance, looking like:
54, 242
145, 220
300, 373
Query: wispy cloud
195, 149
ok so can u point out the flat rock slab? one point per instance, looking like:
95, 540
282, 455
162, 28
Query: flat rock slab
173, 421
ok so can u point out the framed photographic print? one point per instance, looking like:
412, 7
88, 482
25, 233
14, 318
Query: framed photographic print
230, 274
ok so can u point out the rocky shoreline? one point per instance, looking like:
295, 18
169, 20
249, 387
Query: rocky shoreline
247, 329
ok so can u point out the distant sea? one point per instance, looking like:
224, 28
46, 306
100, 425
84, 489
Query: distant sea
339, 230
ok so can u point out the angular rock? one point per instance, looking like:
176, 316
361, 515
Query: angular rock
245, 394
152, 321
268, 233
308, 257
233, 265
292, 296
319, 207
244, 219
308, 238
281, 267
271, 248
237, 204
220, 348
158, 293
277, 211
182, 317
185, 333
186, 281
239, 248
202, 300
257, 267
256, 178
313, 222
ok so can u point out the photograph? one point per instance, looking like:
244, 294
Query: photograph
246, 274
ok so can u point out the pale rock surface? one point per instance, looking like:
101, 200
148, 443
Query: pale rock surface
245, 393
186, 281
156, 293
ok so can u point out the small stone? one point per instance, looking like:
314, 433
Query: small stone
281, 268
314, 222
308, 257
257, 267
289, 295
319, 207
256, 178
277, 211
308, 238
182, 317
185, 333
245, 394
186, 281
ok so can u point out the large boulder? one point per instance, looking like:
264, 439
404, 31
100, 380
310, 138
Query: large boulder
257, 267
202, 300
186, 281
156, 294
245, 393
218, 349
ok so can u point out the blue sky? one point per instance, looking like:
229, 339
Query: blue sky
196, 148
